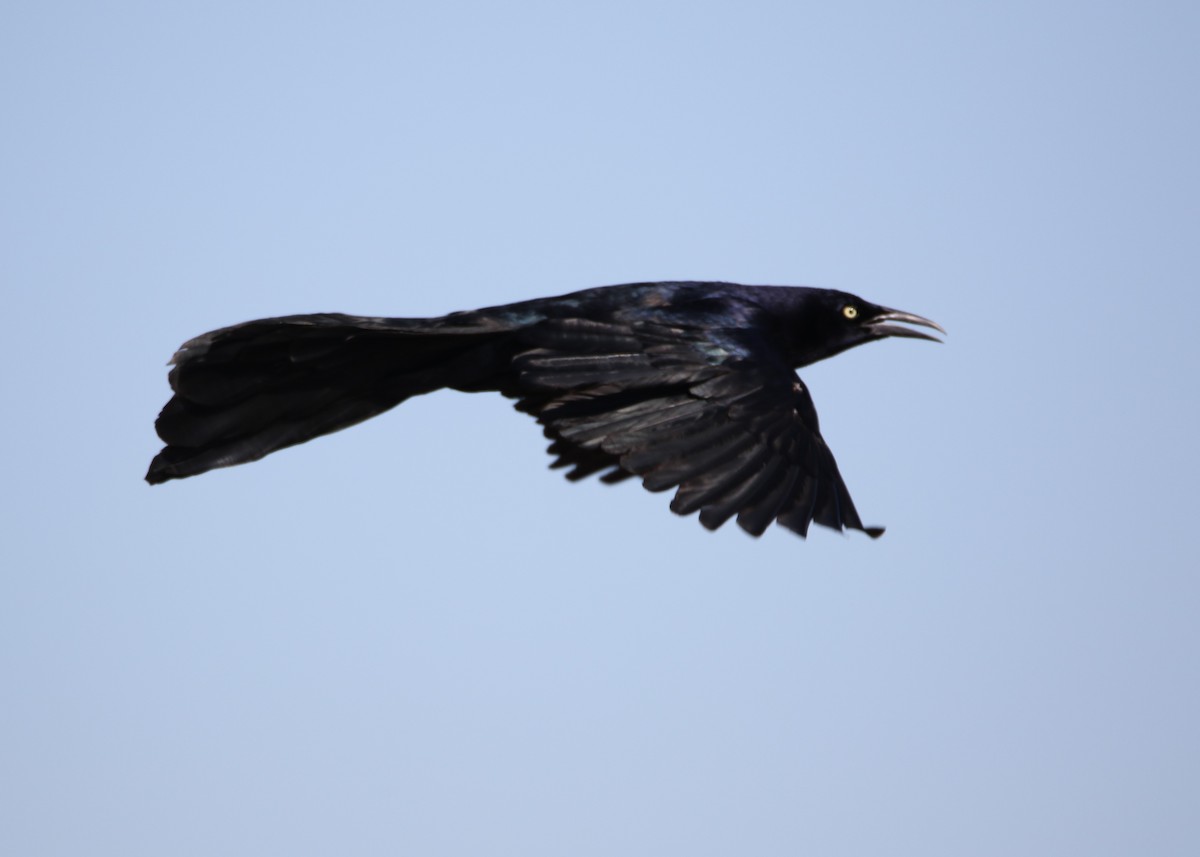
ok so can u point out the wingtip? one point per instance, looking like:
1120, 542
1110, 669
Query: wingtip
874, 532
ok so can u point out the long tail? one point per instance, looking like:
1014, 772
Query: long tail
243, 392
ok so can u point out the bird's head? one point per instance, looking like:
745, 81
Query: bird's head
831, 322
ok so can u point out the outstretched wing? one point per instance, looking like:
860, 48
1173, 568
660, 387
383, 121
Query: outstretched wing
713, 413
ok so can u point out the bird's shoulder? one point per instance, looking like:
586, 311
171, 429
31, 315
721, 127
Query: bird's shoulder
709, 323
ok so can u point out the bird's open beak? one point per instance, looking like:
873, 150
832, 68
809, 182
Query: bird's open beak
879, 326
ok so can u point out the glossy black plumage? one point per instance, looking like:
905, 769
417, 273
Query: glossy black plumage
688, 385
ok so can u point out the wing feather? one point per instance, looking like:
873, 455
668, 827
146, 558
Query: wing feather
717, 417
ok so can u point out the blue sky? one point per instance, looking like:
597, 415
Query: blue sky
411, 637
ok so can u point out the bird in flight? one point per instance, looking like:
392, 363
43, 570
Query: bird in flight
687, 385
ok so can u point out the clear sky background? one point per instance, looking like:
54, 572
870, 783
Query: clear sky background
412, 637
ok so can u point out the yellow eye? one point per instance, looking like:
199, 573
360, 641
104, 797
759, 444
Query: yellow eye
850, 311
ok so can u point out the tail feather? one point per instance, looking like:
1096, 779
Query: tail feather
246, 391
